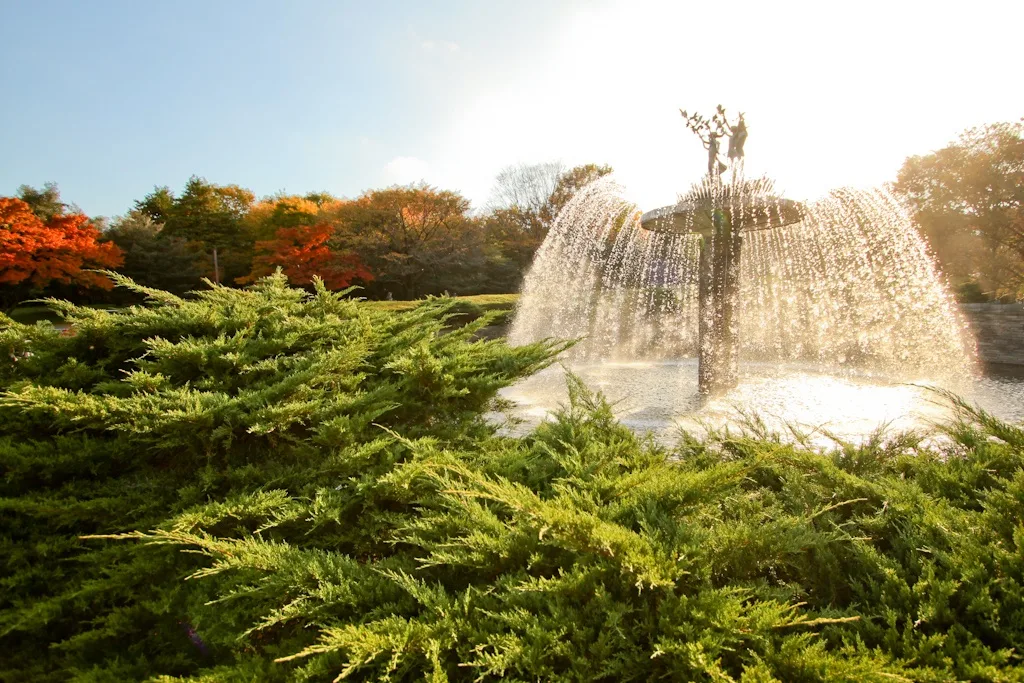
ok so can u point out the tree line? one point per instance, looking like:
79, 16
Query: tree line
401, 242
966, 199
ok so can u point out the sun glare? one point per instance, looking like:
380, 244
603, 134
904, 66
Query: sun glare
833, 96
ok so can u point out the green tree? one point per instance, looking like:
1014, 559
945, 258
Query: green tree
321, 199
415, 240
45, 203
209, 216
525, 202
157, 204
968, 200
152, 259
571, 182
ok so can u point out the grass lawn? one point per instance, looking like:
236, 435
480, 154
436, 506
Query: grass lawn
471, 306
486, 302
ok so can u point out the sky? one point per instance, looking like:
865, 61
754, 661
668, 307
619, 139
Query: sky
109, 98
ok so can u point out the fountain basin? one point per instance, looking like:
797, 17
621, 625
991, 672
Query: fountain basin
660, 397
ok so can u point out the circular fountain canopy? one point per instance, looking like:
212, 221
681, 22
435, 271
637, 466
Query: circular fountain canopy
748, 205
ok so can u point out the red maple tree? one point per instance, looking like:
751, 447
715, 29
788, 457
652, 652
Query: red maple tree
302, 252
58, 250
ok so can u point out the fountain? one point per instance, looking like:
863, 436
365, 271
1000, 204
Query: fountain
739, 278
718, 214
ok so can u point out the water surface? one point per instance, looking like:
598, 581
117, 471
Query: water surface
661, 397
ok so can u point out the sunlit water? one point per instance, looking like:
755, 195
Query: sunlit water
850, 285
660, 397
843, 322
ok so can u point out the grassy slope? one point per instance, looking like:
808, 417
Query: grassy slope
471, 306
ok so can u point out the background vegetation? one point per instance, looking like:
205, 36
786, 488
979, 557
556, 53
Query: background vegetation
404, 243
968, 201
396, 243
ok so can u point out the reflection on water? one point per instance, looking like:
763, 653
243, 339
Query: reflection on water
661, 397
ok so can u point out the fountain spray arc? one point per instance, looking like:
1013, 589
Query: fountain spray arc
719, 212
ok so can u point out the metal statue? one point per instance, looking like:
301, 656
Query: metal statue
737, 137
711, 131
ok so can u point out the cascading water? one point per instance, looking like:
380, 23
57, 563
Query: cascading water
841, 320
850, 286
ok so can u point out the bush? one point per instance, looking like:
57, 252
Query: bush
142, 414
971, 293
584, 553
428, 548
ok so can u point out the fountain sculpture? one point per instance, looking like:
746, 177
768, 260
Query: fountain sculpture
734, 271
719, 213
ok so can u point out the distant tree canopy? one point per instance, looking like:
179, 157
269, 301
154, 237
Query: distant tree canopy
526, 200
417, 240
150, 257
403, 241
303, 253
968, 199
209, 217
271, 214
36, 253
526, 187
45, 203
410, 241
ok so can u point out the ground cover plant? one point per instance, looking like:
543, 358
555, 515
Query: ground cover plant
137, 414
349, 515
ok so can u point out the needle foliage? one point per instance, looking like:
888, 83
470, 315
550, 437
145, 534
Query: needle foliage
348, 515
131, 417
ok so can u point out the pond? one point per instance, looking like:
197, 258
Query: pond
661, 398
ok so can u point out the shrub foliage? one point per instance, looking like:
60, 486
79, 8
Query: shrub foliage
135, 416
350, 515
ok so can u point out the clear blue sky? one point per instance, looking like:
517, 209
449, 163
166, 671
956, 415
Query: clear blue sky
111, 97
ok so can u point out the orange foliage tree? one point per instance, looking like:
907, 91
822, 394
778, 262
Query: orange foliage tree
59, 250
303, 252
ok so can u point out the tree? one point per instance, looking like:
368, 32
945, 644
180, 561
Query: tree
157, 204
210, 216
269, 215
968, 200
61, 250
152, 259
526, 201
571, 182
532, 196
321, 199
416, 240
526, 188
303, 253
44, 203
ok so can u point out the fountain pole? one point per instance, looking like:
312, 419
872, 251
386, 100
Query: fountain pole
717, 296
718, 214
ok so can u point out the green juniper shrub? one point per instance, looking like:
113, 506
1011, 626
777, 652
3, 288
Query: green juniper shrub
361, 522
135, 416
585, 553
